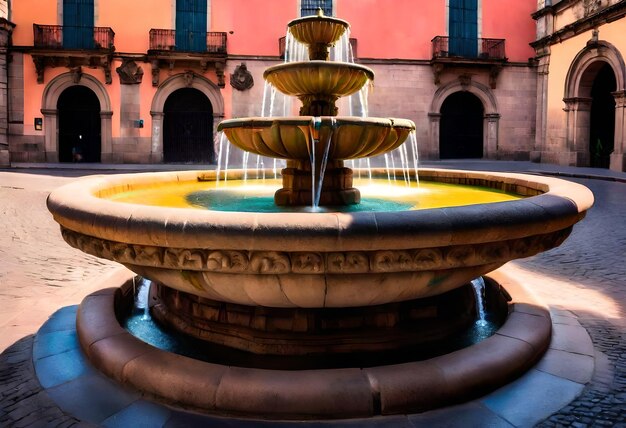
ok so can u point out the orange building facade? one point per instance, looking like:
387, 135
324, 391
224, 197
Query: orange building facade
148, 81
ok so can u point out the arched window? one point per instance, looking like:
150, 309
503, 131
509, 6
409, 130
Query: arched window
188, 127
461, 127
79, 125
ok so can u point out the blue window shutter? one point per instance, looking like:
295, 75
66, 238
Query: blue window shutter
463, 28
78, 23
191, 25
470, 30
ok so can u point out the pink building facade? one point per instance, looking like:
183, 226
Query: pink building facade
105, 81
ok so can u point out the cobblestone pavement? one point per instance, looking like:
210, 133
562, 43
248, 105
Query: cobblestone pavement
39, 273
591, 264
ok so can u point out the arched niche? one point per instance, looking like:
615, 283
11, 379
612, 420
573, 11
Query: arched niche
49, 102
577, 98
490, 120
179, 81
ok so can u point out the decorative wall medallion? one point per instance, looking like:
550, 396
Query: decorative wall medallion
130, 73
241, 79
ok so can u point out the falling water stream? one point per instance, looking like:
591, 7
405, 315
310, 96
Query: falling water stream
479, 290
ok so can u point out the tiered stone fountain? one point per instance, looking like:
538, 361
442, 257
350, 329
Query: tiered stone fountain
325, 284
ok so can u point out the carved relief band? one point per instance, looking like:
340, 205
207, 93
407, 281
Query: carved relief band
314, 263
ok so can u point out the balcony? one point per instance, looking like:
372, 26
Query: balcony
479, 53
480, 49
167, 40
73, 47
282, 43
92, 38
190, 49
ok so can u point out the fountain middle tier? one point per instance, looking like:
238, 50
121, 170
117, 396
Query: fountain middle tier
315, 148
318, 84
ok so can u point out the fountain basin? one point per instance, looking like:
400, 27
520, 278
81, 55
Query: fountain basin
321, 260
405, 388
292, 137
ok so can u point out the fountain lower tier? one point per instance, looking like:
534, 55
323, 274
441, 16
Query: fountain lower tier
398, 326
317, 260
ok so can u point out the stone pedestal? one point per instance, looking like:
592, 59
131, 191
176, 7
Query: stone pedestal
298, 180
318, 331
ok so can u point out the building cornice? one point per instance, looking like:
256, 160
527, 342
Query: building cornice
604, 16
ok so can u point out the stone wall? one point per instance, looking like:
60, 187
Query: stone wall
6, 28
407, 89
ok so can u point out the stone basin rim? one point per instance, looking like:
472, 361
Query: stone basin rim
264, 122
77, 207
398, 389
318, 64
318, 18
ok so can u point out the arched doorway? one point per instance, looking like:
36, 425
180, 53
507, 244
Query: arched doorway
188, 127
461, 127
79, 125
602, 121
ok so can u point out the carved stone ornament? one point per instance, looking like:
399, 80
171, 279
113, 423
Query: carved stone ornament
465, 80
188, 76
77, 74
591, 6
130, 73
351, 262
241, 79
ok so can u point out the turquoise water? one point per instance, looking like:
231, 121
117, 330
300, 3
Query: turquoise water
224, 200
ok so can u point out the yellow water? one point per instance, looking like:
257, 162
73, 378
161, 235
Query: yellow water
257, 195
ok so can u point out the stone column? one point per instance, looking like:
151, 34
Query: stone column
106, 139
6, 28
618, 157
156, 147
578, 110
51, 134
492, 120
217, 118
432, 145
541, 113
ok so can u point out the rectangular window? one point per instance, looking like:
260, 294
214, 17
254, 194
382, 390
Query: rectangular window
309, 7
78, 23
463, 28
191, 25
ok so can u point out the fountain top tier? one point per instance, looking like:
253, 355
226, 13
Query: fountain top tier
317, 142
318, 32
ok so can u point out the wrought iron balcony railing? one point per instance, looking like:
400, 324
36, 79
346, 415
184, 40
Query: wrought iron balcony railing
69, 37
169, 40
282, 42
481, 49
